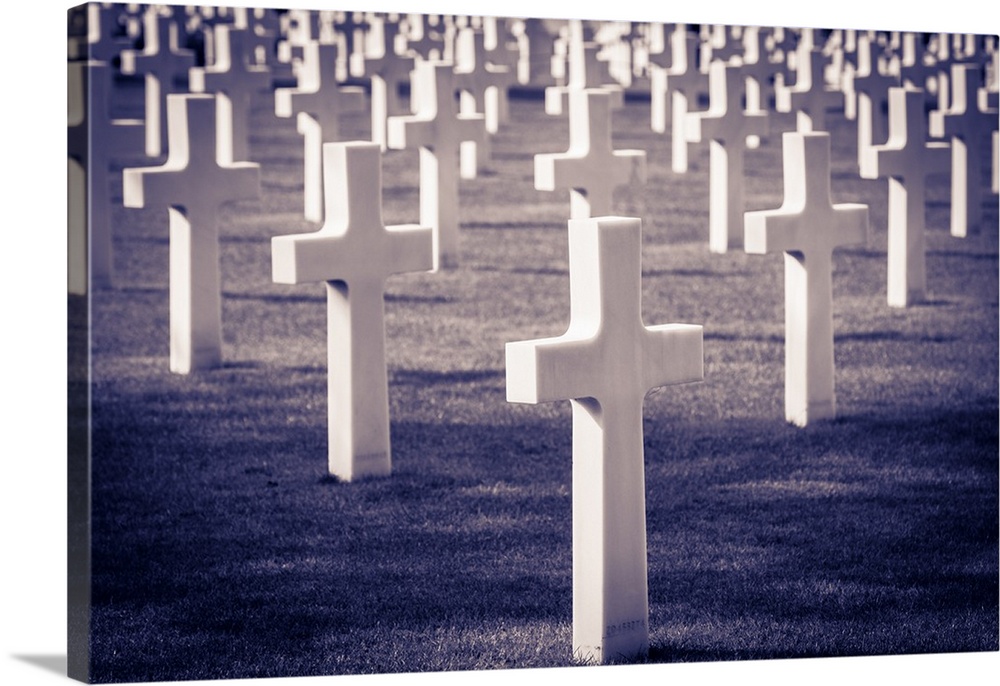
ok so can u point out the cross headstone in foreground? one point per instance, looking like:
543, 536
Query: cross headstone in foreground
807, 227
354, 253
590, 169
727, 126
907, 160
437, 129
198, 178
605, 364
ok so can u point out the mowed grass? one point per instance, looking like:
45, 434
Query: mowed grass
222, 549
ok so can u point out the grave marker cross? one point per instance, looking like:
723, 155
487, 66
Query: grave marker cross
387, 71
164, 65
758, 69
198, 178
869, 88
809, 97
237, 80
807, 227
319, 103
907, 160
437, 129
537, 57
682, 83
354, 253
969, 129
605, 364
727, 125
482, 89
586, 70
591, 169
96, 142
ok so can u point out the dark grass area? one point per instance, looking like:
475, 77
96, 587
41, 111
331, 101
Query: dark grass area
221, 549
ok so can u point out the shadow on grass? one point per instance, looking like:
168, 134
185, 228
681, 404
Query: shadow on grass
512, 225
867, 535
222, 550
459, 376
883, 336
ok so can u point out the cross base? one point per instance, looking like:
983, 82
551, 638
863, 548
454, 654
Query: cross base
812, 412
196, 359
623, 643
360, 466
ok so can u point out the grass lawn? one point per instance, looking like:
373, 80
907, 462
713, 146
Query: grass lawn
221, 549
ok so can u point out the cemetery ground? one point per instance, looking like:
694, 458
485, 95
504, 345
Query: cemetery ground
222, 549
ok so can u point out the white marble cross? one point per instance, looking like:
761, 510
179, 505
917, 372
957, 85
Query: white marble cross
968, 129
502, 48
436, 129
354, 254
868, 88
585, 71
198, 178
482, 85
807, 227
914, 64
349, 33
809, 97
682, 83
164, 65
535, 66
758, 70
103, 36
907, 159
388, 71
96, 141
425, 40
726, 125
236, 79
319, 102
482, 89
590, 169
605, 364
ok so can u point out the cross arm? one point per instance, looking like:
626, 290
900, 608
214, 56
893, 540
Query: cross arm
325, 256
770, 231
410, 131
138, 182
547, 369
551, 170
674, 354
305, 258
411, 248
630, 163
880, 160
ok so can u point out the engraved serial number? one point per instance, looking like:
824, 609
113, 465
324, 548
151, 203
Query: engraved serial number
624, 627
